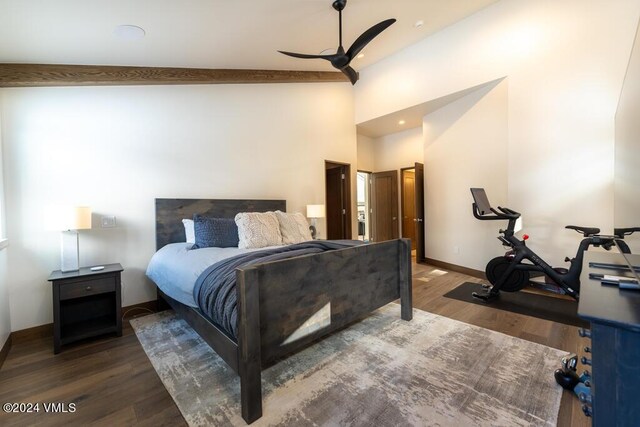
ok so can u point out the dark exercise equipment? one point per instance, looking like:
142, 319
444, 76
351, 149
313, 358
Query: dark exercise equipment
510, 273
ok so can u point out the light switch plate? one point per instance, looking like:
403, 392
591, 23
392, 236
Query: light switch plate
108, 221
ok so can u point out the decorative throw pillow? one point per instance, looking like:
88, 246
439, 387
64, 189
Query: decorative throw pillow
214, 232
189, 231
258, 230
293, 227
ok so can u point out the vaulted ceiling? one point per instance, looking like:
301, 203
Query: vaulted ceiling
212, 33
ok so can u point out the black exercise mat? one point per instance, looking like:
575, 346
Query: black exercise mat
527, 303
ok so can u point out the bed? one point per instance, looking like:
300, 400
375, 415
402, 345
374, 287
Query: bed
285, 305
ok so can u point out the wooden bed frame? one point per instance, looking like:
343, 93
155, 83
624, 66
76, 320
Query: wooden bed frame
283, 306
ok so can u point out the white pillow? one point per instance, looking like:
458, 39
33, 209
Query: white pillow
293, 227
189, 230
258, 230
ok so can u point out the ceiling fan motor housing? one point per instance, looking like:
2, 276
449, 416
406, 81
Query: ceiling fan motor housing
339, 5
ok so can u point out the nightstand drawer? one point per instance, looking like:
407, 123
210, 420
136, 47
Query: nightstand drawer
86, 288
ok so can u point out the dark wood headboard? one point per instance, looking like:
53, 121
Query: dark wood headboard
171, 212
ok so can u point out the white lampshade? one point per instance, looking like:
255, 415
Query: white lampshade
315, 211
75, 218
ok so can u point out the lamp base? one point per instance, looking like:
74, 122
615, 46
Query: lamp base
312, 227
69, 255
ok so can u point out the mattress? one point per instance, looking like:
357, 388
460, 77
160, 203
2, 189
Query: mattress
175, 268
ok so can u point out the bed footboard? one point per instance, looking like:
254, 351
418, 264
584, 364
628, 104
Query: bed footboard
285, 305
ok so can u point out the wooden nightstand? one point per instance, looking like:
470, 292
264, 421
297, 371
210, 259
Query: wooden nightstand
86, 304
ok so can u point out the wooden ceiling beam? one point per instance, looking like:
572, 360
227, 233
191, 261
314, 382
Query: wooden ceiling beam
41, 75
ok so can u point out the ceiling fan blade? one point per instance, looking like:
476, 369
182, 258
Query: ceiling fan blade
367, 36
305, 56
351, 73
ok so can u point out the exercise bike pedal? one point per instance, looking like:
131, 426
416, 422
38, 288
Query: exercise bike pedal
486, 297
567, 379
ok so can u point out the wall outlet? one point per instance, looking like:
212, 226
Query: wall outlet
456, 250
108, 221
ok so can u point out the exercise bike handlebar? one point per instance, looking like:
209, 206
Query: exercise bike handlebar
499, 214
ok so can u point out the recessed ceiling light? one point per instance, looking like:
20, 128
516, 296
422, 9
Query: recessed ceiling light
129, 32
401, 122
418, 24
360, 56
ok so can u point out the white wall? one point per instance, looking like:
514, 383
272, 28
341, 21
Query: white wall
466, 146
117, 148
627, 153
565, 61
5, 316
398, 150
366, 161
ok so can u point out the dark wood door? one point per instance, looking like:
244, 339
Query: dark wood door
384, 202
409, 206
334, 207
338, 200
419, 212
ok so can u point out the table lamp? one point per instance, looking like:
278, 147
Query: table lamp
314, 212
72, 220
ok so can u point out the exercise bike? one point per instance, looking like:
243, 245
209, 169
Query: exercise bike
510, 273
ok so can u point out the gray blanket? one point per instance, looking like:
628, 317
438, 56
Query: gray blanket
215, 289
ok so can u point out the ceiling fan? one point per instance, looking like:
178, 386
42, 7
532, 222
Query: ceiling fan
342, 59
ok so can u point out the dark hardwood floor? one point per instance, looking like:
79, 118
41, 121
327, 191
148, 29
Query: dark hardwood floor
112, 382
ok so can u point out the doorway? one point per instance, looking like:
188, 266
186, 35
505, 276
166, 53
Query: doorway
363, 197
412, 208
384, 204
338, 200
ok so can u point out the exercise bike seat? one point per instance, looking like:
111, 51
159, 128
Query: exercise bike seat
587, 231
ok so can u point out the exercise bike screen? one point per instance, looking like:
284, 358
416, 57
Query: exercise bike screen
482, 202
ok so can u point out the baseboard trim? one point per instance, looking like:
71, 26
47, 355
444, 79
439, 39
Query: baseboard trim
5, 350
457, 268
23, 335
44, 331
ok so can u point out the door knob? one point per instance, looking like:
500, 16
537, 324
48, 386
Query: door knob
419, 219
415, 220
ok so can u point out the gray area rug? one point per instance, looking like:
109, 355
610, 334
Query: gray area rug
383, 371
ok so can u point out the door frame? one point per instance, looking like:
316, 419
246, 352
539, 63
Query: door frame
419, 224
402, 197
346, 195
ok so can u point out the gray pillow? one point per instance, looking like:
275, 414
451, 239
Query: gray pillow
215, 232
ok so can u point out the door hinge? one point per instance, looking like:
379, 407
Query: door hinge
342, 176
344, 211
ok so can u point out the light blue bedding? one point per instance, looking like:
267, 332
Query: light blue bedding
175, 268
